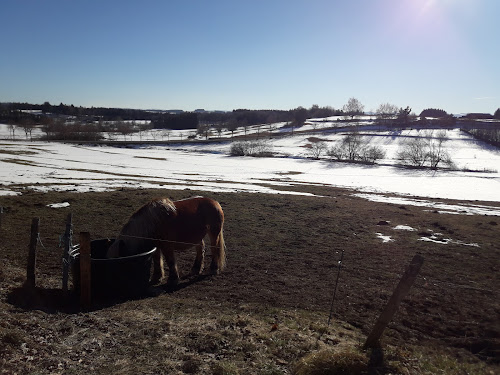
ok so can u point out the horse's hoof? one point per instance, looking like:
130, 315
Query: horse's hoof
196, 271
156, 280
172, 282
214, 271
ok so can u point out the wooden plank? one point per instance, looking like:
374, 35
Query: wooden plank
85, 277
31, 266
65, 257
399, 293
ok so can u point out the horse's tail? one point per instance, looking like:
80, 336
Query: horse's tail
220, 248
215, 225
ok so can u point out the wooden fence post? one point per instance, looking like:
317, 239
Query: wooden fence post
67, 244
85, 277
399, 293
31, 267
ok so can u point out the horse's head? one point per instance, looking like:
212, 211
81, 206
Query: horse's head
117, 249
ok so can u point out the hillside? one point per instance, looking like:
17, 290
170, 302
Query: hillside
209, 166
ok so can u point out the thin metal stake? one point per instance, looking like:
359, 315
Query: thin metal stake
335, 290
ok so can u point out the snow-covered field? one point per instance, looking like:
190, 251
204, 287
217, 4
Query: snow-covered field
47, 166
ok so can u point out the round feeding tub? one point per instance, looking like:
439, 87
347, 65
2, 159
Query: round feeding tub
116, 276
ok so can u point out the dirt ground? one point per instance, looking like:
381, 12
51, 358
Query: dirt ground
270, 306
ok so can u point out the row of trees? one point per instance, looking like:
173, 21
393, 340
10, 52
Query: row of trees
352, 148
426, 151
241, 118
491, 136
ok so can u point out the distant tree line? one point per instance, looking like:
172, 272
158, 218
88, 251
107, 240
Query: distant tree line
16, 112
387, 114
239, 117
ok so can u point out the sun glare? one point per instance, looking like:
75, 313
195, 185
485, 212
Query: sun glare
427, 6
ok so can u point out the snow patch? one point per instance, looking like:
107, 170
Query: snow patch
404, 227
440, 207
384, 238
438, 238
58, 205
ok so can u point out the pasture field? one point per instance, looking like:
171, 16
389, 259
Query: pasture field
269, 308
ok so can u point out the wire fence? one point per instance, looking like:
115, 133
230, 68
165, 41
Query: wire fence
424, 282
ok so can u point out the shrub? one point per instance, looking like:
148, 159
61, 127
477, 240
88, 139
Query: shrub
413, 153
354, 148
238, 149
251, 148
317, 149
337, 153
371, 154
423, 152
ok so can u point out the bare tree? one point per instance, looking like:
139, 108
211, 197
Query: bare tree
437, 153
386, 111
204, 129
124, 128
425, 151
354, 148
219, 128
271, 121
413, 153
12, 129
337, 152
153, 133
317, 149
352, 143
166, 133
52, 126
353, 108
370, 154
143, 127
28, 125
232, 125
244, 123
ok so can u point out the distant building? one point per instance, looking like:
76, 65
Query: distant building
479, 116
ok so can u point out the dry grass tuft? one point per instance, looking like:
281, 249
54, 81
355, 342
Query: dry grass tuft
329, 362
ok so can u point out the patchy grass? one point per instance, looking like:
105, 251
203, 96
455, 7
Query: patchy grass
267, 312
326, 362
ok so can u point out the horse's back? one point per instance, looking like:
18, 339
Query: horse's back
199, 206
200, 211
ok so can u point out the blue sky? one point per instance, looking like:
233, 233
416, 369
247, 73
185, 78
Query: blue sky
259, 54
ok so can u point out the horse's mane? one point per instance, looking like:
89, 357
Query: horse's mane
147, 219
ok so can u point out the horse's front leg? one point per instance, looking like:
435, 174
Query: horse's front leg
173, 272
200, 257
158, 272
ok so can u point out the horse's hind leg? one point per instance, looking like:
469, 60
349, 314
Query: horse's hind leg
198, 262
173, 272
216, 250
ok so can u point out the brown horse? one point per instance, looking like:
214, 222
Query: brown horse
170, 226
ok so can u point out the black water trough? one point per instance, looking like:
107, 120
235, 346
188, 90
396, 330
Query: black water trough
124, 276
